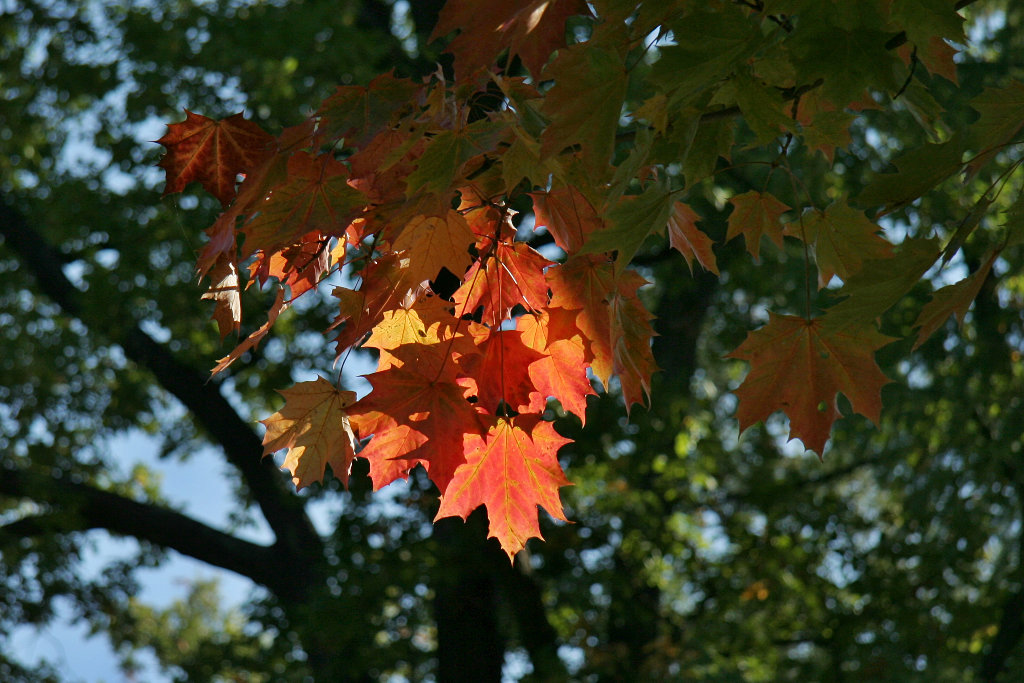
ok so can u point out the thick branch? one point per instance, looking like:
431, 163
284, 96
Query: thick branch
93, 508
283, 510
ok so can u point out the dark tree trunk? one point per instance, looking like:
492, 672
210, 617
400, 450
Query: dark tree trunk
470, 645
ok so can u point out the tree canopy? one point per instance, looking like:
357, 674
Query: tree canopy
498, 208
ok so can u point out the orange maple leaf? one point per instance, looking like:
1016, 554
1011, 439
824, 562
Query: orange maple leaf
387, 285
314, 427
561, 372
567, 215
299, 266
510, 470
689, 240
213, 153
798, 367
611, 317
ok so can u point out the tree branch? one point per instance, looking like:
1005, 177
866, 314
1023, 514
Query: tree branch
81, 507
283, 510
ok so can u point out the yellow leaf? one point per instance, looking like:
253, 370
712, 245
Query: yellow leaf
314, 427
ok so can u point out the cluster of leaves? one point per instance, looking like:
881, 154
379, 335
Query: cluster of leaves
413, 188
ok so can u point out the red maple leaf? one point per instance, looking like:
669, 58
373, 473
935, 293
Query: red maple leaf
510, 470
502, 371
213, 153
435, 409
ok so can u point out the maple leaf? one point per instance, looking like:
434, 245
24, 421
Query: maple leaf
387, 285
917, 172
427, 322
799, 367
387, 454
584, 104
927, 19
253, 340
358, 113
567, 215
299, 266
212, 153
512, 276
316, 197
763, 107
938, 56
315, 429
449, 151
251, 193
952, 299
1000, 120
433, 243
880, 284
630, 221
561, 372
755, 214
510, 471
611, 317
824, 127
501, 373
531, 30
631, 333
224, 290
843, 239
689, 240
436, 409
379, 170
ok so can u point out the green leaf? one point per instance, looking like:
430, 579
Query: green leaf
1001, 119
952, 299
847, 60
584, 104
843, 239
709, 46
711, 139
630, 222
363, 112
880, 284
448, 151
917, 172
922, 19
762, 107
